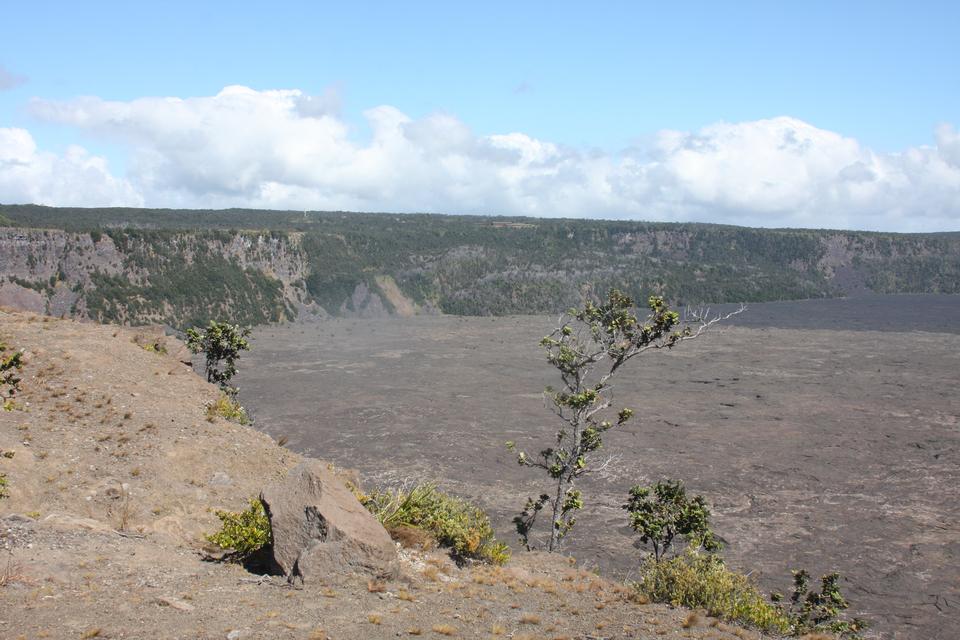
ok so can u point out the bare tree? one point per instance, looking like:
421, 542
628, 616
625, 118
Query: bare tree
588, 347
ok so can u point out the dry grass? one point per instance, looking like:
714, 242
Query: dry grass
121, 510
444, 629
412, 537
692, 620
498, 630
376, 586
414, 631
11, 572
529, 618
374, 618
405, 595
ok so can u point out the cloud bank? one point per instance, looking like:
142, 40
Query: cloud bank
286, 149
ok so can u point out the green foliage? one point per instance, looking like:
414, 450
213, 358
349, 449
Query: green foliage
588, 348
182, 291
243, 532
811, 611
229, 409
175, 270
4, 491
10, 365
702, 581
453, 522
662, 512
221, 344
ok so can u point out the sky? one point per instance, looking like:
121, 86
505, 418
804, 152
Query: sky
774, 114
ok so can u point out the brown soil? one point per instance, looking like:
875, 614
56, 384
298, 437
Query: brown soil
116, 471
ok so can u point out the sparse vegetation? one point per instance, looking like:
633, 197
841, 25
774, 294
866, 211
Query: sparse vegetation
228, 409
221, 344
812, 611
453, 522
662, 512
588, 349
244, 532
10, 365
702, 581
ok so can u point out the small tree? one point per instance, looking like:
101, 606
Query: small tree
9, 380
588, 348
811, 612
662, 512
221, 343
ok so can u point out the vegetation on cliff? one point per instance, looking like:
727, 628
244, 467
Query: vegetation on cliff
186, 267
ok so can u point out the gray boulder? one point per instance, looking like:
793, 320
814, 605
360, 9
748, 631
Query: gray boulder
320, 529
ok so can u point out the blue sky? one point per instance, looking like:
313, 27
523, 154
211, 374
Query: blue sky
588, 81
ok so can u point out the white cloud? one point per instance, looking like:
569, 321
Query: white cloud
284, 149
73, 178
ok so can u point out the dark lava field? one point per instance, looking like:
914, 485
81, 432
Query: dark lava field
825, 434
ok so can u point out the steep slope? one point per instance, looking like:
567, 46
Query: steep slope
183, 267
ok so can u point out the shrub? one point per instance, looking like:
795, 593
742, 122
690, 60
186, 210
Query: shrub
9, 381
662, 512
811, 612
702, 581
221, 344
4, 492
453, 522
228, 409
243, 532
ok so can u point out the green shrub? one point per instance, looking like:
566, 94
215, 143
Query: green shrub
228, 409
811, 611
4, 492
662, 512
452, 521
702, 581
9, 380
243, 532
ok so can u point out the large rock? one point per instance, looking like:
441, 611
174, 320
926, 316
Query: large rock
320, 528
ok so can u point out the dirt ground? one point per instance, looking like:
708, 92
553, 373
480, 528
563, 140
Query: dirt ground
829, 444
115, 470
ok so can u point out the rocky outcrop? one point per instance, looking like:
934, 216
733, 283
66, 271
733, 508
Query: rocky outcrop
319, 527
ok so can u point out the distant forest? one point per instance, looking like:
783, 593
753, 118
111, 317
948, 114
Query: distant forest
182, 266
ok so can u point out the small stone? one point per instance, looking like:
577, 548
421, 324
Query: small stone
175, 603
220, 479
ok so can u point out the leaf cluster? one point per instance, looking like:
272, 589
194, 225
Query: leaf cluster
243, 532
221, 344
813, 611
10, 365
664, 511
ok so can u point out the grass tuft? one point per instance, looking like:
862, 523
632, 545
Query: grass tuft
227, 409
453, 522
702, 581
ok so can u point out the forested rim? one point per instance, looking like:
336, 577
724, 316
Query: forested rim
469, 265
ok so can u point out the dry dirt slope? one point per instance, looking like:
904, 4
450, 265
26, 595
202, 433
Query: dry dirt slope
114, 473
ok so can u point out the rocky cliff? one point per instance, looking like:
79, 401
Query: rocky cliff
183, 268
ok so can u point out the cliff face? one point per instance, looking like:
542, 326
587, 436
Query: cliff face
371, 266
